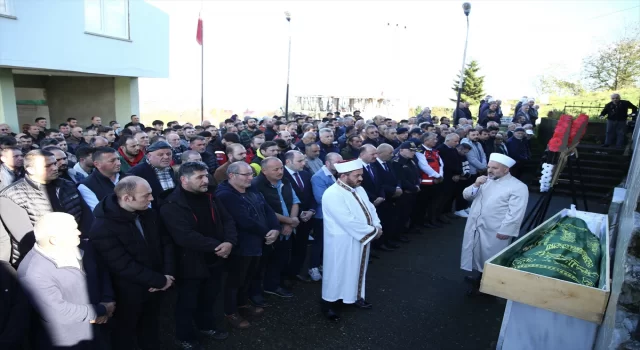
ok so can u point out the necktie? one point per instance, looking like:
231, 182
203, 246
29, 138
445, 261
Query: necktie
370, 171
386, 167
298, 180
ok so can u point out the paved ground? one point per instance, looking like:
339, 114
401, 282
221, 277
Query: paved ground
419, 301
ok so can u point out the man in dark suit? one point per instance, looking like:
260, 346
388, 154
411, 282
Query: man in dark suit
387, 209
156, 169
451, 173
372, 180
300, 180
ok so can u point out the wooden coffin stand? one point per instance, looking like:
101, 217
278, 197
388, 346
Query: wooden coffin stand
544, 312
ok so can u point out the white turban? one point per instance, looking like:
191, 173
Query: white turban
348, 166
502, 159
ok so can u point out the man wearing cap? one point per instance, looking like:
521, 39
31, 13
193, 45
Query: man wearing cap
406, 171
350, 224
518, 149
156, 169
499, 204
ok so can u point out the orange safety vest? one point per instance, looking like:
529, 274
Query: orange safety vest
433, 159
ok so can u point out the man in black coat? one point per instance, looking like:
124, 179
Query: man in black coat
140, 259
406, 171
387, 209
156, 169
300, 180
204, 233
103, 179
616, 112
14, 309
451, 173
371, 180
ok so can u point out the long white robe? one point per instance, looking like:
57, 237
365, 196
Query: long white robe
498, 207
350, 224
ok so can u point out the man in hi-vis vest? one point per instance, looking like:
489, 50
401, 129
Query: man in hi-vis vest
431, 176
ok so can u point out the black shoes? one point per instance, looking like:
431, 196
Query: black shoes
363, 304
281, 292
331, 315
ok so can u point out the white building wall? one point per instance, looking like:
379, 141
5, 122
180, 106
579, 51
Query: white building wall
51, 35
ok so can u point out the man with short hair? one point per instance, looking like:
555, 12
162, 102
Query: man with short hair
280, 196
75, 139
314, 164
140, 259
326, 143
158, 125
40, 192
254, 146
103, 179
256, 224
73, 122
108, 134
235, 153
5, 130
431, 178
176, 147
406, 171
307, 138
135, 121
616, 112
497, 211
519, 151
267, 149
197, 143
350, 224
452, 172
84, 166
26, 143
130, 153
300, 181
352, 150
143, 140
36, 134
247, 134
65, 287
157, 171
11, 167
476, 157
61, 162
387, 209
204, 234
371, 136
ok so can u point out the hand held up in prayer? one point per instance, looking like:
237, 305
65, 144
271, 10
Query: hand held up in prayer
287, 230
502, 237
224, 249
271, 236
480, 181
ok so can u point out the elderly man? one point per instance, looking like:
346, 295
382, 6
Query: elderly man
616, 112
476, 157
140, 259
350, 224
65, 287
156, 169
499, 204
307, 138
256, 224
280, 196
176, 147
533, 112
387, 209
326, 143
312, 152
235, 153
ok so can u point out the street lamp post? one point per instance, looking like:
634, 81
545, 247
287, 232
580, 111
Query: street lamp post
467, 8
286, 103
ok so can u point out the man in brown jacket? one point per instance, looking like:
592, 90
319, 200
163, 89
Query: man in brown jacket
235, 153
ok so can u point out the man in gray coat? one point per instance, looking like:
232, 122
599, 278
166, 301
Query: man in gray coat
476, 157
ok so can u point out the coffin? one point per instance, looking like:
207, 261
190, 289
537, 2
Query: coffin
568, 298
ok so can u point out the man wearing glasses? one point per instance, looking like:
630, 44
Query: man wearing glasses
616, 112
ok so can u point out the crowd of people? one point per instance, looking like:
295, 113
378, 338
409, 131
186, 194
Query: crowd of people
98, 222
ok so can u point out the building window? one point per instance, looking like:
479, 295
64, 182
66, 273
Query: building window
107, 17
5, 8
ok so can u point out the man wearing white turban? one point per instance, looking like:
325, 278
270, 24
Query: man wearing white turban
499, 204
350, 224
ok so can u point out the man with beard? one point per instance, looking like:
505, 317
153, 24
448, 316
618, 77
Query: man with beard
36, 134
235, 153
38, 193
84, 166
65, 130
61, 162
204, 234
286, 136
11, 169
130, 153
156, 170
352, 150
254, 146
103, 179
350, 224
198, 144
247, 134
476, 157
497, 211
108, 134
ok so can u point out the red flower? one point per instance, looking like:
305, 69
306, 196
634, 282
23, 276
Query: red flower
554, 144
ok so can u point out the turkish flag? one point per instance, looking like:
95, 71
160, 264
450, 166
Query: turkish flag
199, 32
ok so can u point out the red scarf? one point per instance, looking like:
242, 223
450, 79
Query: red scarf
135, 161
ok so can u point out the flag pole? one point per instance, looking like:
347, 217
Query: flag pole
202, 77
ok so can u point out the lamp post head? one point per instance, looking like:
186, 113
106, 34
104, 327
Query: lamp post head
467, 8
287, 14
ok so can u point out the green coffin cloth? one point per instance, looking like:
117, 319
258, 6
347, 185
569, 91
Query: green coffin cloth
567, 251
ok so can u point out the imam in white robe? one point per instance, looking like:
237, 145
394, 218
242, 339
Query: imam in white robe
350, 224
498, 207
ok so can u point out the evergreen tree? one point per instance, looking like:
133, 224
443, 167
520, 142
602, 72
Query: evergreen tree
472, 87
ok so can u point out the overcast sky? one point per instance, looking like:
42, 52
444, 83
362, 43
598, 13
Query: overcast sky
355, 48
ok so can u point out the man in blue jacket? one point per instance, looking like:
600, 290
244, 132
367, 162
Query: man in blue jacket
256, 224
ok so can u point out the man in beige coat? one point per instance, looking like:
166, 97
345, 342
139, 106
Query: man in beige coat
499, 203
